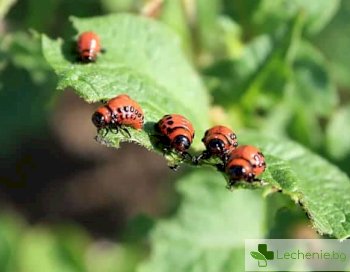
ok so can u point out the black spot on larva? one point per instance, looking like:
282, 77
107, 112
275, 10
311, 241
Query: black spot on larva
126, 108
119, 110
169, 130
168, 117
233, 136
139, 115
136, 112
170, 122
163, 126
132, 109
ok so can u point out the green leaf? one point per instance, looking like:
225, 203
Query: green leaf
105, 256
334, 41
242, 11
110, 6
338, 129
229, 40
5, 6
138, 227
11, 227
39, 12
144, 60
261, 72
257, 255
24, 51
318, 13
208, 37
173, 14
28, 93
304, 125
72, 245
208, 231
38, 252
320, 187
277, 119
312, 81
311, 95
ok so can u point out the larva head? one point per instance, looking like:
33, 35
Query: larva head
101, 117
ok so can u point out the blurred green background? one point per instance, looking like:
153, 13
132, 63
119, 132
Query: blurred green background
69, 204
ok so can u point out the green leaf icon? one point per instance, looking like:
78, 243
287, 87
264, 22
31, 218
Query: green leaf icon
257, 255
260, 257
